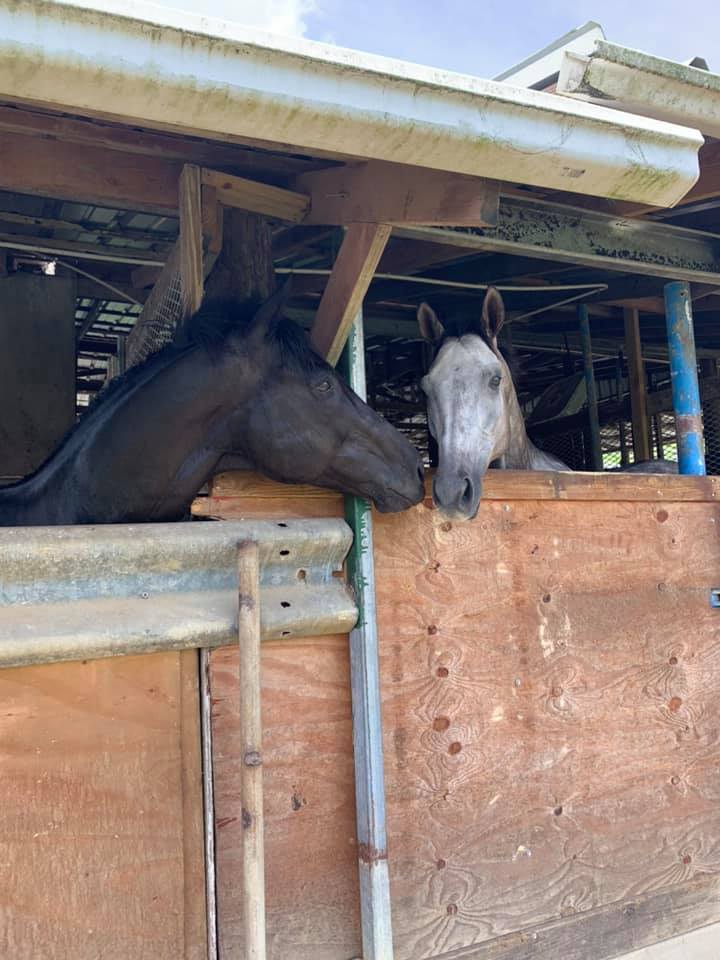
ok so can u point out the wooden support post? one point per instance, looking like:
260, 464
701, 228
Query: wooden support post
638, 394
347, 285
619, 397
251, 784
191, 240
591, 389
244, 266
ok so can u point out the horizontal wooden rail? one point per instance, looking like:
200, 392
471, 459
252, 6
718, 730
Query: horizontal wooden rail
498, 485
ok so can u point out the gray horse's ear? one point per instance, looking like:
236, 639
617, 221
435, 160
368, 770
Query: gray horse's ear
271, 312
430, 326
493, 315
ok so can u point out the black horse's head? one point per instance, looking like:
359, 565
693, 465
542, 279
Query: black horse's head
303, 424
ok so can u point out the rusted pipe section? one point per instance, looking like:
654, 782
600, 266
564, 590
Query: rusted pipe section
684, 377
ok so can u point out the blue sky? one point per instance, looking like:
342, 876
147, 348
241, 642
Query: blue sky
481, 37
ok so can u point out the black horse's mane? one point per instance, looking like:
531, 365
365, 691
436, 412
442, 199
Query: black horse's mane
209, 329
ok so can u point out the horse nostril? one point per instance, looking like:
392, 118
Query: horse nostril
466, 497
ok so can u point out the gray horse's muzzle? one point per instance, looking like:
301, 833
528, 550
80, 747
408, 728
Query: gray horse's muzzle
457, 496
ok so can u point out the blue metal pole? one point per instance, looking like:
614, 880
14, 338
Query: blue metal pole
375, 915
683, 372
590, 388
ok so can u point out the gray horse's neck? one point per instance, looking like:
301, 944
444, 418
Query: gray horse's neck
521, 453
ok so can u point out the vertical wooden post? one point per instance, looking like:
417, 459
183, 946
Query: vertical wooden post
638, 395
619, 397
191, 240
590, 388
375, 915
251, 784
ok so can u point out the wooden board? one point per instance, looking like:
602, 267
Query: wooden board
101, 815
238, 491
551, 717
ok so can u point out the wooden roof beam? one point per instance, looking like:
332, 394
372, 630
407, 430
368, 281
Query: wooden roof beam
347, 285
378, 191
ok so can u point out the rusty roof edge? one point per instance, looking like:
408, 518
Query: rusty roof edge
208, 78
75, 593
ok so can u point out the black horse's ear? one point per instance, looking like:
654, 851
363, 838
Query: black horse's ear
493, 315
430, 326
271, 312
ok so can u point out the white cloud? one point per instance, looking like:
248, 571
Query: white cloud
285, 17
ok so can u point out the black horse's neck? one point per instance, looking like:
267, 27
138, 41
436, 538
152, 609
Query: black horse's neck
143, 450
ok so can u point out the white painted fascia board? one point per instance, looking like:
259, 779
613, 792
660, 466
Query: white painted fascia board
636, 82
151, 66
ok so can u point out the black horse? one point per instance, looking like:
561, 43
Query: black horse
241, 381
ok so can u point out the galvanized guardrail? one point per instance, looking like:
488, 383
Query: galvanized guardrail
74, 593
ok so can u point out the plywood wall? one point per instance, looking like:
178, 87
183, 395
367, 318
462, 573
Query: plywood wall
101, 850
551, 710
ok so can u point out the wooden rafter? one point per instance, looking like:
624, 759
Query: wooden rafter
254, 197
347, 285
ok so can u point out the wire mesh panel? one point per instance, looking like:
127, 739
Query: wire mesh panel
161, 314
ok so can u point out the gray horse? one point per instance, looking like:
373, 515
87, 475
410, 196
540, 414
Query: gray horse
474, 413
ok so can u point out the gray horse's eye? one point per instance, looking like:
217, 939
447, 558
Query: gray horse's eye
324, 386
495, 381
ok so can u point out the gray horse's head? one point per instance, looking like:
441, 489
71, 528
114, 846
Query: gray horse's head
468, 389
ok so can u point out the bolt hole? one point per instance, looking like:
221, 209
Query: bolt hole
301, 574
284, 603
557, 811
282, 524
284, 553
547, 598
286, 633
442, 671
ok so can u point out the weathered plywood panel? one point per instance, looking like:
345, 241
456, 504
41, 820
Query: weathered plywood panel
552, 728
312, 898
101, 812
551, 711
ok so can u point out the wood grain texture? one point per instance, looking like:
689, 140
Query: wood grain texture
551, 723
191, 240
97, 855
89, 174
311, 885
552, 726
228, 489
256, 197
357, 260
605, 933
377, 191
311, 890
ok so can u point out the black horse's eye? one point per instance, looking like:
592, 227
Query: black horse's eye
324, 386
495, 381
